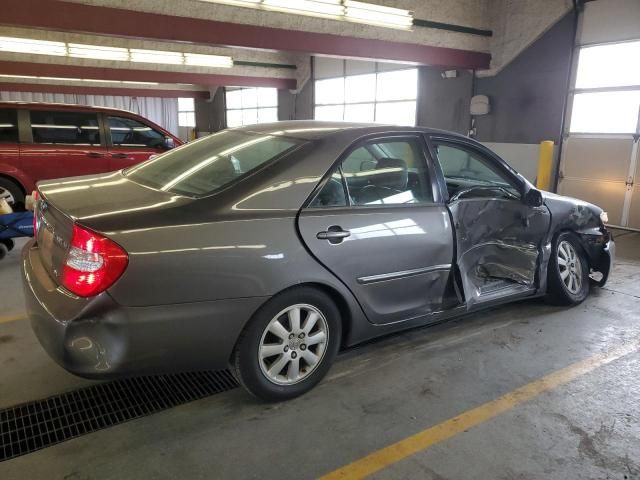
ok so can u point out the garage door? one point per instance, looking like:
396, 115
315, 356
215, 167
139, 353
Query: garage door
602, 169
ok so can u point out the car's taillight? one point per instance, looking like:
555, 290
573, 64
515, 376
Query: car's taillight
35, 195
93, 263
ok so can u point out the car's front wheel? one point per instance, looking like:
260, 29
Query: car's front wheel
289, 345
568, 273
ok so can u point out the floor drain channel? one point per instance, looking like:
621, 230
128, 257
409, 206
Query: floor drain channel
39, 424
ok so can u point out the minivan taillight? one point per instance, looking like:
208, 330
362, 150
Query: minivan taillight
93, 263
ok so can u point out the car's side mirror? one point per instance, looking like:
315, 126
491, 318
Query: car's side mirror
169, 143
533, 198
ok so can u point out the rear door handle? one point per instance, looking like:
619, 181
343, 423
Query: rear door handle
95, 154
334, 234
119, 155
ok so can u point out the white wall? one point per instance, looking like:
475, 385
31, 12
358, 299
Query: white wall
163, 111
521, 156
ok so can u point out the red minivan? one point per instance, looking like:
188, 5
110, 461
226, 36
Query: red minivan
39, 141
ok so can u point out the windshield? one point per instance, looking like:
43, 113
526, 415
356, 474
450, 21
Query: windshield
201, 167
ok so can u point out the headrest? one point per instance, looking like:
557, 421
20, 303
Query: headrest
391, 173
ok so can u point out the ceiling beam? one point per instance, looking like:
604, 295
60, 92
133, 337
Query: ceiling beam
117, 91
89, 19
99, 73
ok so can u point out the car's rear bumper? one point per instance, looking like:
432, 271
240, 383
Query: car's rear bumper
98, 338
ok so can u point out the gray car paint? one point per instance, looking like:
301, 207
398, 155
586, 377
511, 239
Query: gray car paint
199, 268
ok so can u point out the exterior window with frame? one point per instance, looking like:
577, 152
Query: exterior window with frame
186, 112
381, 172
607, 93
127, 132
8, 125
69, 128
248, 106
383, 97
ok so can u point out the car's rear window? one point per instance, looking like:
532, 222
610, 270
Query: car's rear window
206, 165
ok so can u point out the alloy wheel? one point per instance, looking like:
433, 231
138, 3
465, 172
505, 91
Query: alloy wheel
570, 267
5, 194
293, 344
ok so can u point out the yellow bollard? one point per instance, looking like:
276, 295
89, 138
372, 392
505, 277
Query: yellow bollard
545, 165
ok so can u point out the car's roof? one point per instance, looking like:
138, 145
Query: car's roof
316, 129
62, 106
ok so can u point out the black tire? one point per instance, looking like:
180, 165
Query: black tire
558, 292
246, 363
9, 243
3, 251
16, 192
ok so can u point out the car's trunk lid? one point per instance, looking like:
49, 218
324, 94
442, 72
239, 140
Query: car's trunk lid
53, 236
102, 203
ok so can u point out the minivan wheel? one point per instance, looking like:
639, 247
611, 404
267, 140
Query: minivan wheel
568, 275
289, 345
11, 192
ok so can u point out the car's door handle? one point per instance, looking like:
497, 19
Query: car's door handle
95, 154
118, 155
334, 234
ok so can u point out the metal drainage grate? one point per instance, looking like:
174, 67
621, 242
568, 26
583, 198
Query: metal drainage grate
31, 426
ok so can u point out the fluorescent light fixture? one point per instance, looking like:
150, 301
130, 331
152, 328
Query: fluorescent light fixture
28, 45
131, 82
4, 75
156, 56
197, 59
94, 80
306, 7
238, 3
348, 10
98, 52
378, 14
64, 79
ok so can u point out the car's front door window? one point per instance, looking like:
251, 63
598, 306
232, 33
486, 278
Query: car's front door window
381, 172
469, 174
127, 132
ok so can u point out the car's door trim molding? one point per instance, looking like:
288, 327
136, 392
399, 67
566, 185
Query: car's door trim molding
403, 274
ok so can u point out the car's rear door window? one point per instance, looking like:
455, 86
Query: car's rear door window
206, 165
65, 127
8, 125
127, 132
380, 172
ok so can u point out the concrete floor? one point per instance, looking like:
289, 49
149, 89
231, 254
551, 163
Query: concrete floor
380, 394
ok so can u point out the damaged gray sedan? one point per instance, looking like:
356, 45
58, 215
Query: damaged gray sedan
269, 248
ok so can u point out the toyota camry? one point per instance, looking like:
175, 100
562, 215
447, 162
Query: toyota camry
267, 249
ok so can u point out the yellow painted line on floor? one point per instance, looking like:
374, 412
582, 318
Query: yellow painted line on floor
396, 452
12, 318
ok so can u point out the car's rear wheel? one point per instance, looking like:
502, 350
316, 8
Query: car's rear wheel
11, 192
289, 345
568, 274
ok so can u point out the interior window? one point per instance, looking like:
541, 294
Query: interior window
127, 132
8, 125
76, 128
379, 173
470, 174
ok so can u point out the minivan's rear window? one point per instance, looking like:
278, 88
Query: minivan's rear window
8, 125
201, 167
